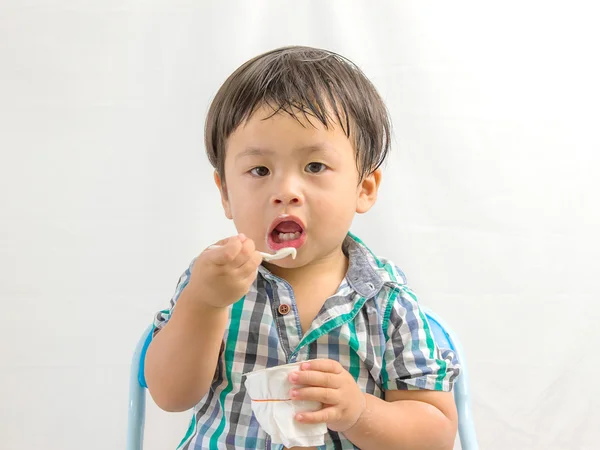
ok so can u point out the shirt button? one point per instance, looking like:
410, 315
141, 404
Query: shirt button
283, 309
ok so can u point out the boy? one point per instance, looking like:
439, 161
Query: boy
297, 136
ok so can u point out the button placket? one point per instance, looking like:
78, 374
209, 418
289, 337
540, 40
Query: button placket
283, 315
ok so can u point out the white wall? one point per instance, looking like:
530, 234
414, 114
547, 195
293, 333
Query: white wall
489, 200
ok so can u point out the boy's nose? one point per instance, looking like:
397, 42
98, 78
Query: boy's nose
287, 193
286, 199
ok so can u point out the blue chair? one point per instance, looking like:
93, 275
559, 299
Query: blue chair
444, 338
137, 393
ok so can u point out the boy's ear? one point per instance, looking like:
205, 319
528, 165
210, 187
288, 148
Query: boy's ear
224, 198
367, 191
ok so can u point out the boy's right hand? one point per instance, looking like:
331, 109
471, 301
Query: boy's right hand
223, 273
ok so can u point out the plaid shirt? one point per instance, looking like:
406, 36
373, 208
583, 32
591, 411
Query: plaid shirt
373, 326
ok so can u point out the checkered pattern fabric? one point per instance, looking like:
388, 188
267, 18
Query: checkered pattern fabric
373, 326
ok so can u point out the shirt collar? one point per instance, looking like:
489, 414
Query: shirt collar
362, 274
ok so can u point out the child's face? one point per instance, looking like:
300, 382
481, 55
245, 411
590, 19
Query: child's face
289, 185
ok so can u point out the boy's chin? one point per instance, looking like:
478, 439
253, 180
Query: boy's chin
287, 263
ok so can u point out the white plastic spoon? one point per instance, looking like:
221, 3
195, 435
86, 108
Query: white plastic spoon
279, 254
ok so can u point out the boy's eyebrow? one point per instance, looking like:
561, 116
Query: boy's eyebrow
257, 151
253, 151
316, 148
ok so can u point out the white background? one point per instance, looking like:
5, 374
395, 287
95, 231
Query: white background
489, 201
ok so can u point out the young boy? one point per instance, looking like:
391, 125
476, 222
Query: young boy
297, 136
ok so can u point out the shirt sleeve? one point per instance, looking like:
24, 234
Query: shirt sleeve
162, 317
412, 359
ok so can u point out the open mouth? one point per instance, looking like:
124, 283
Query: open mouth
286, 231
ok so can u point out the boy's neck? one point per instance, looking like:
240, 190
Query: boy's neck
332, 267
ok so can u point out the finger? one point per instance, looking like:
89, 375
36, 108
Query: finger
314, 378
250, 267
225, 253
317, 394
257, 258
245, 253
325, 415
323, 365
241, 236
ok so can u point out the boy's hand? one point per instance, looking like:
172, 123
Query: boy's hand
223, 273
326, 381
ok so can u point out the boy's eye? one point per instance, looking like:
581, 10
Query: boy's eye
260, 171
315, 167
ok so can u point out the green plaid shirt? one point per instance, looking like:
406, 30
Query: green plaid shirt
373, 326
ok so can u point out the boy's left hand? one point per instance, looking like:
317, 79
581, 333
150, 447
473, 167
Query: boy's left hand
326, 381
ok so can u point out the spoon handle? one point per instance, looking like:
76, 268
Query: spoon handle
280, 254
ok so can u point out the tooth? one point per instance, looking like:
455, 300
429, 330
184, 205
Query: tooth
289, 236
